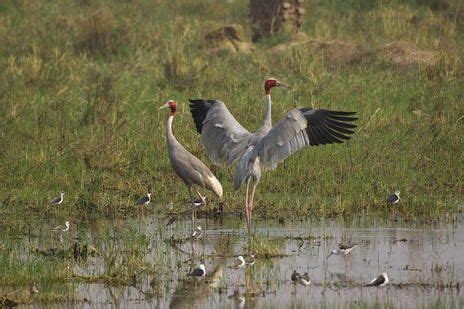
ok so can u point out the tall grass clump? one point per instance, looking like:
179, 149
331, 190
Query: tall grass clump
81, 82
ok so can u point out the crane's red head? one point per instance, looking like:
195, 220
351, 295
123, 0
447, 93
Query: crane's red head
271, 83
171, 104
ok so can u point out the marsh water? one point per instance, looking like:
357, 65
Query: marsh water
424, 262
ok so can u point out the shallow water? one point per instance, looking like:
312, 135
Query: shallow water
424, 263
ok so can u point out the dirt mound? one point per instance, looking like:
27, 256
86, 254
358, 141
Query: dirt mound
400, 54
406, 55
297, 39
228, 38
338, 52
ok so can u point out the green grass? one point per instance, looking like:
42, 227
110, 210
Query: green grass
80, 84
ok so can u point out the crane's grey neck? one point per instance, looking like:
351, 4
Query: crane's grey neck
267, 115
169, 134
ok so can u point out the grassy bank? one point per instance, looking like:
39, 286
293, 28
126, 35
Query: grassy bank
81, 83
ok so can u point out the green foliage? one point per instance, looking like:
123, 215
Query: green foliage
80, 84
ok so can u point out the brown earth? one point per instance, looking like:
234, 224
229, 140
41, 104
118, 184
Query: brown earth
228, 38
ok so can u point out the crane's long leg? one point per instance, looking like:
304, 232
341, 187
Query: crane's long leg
255, 184
193, 205
247, 212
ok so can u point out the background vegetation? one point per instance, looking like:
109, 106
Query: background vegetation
81, 82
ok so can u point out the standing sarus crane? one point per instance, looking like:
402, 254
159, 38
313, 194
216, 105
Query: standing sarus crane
188, 167
226, 141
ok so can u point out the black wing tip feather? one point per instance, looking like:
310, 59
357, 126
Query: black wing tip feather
327, 127
199, 109
193, 102
340, 113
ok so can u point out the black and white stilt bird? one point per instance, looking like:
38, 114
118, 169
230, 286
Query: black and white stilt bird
342, 249
394, 198
380, 280
200, 201
197, 233
304, 279
239, 263
251, 260
198, 272
61, 228
295, 276
144, 200
58, 200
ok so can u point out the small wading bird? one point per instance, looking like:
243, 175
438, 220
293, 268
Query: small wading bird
61, 228
198, 202
239, 263
394, 198
226, 141
198, 272
304, 279
144, 201
251, 260
58, 200
342, 249
295, 276
188, 167
33, 289
380, 280
197, 233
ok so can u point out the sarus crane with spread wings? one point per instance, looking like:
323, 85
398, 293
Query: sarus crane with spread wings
226, 140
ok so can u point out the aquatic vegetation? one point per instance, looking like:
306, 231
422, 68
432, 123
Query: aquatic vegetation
136, 256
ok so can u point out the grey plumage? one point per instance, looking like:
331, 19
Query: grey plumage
224, 138
188, 167
298, 129
226, 141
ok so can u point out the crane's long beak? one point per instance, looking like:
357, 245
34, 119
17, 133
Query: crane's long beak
329, 255
283, 85
164, 106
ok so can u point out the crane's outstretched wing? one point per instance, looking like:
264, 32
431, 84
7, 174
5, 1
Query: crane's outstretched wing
222, 135
303, 127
